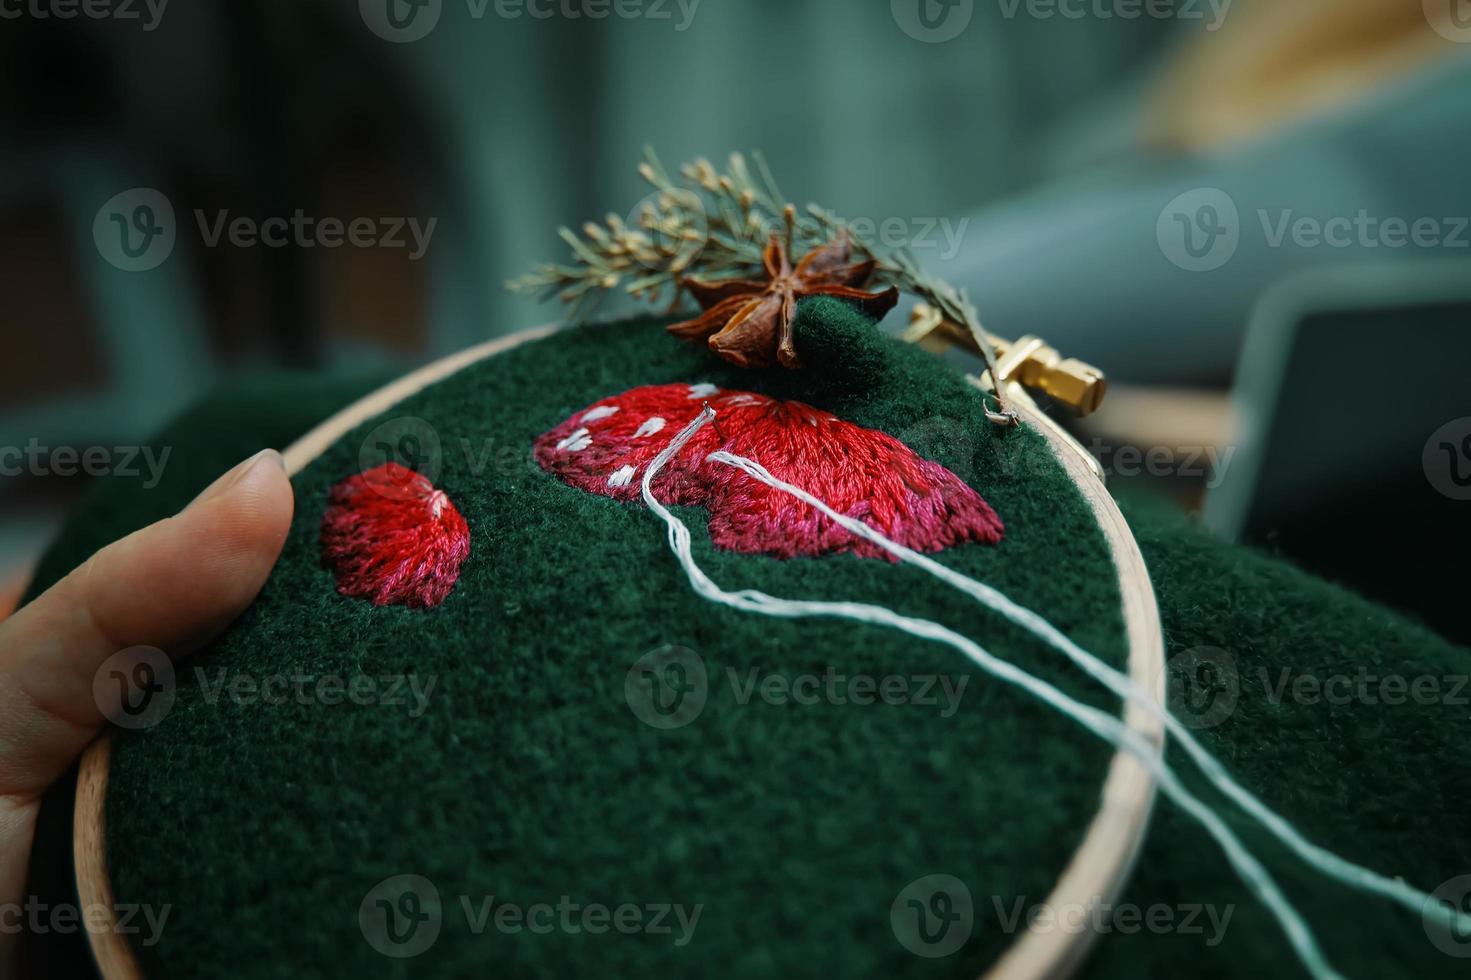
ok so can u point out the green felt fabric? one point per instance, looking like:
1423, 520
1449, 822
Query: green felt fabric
528, 778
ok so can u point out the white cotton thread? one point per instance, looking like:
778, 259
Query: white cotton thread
621, 477
1325, 861
1251, 871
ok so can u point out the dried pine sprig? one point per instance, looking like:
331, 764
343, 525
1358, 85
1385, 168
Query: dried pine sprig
709, 223
713, 225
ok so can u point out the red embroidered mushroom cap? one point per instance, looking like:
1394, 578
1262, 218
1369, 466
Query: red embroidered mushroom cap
394, 539
862, 473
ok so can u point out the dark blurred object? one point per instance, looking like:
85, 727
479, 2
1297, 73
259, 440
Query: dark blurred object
1168, 442
260, 109
224, 110
1354, 453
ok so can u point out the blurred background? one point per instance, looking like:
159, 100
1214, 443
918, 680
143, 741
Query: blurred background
1251, 214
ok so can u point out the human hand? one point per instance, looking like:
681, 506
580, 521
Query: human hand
172, 585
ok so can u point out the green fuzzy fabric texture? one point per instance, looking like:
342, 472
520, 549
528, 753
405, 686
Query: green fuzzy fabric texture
529, 778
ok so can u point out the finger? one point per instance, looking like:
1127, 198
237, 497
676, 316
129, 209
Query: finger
172, 585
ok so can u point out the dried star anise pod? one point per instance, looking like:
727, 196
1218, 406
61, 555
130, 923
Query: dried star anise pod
749, 322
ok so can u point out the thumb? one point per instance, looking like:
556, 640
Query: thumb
173, 585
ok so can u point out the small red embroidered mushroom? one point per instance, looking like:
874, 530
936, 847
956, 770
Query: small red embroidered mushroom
862, 473
394, 539
749, 322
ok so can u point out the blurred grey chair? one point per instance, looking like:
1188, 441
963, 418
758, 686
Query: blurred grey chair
1151, 270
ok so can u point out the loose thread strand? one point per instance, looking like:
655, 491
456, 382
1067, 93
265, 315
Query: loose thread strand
1256, 877
1325, 861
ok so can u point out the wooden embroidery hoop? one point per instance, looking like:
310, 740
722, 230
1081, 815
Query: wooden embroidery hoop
1094, 876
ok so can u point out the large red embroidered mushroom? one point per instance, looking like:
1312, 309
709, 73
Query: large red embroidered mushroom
862, 473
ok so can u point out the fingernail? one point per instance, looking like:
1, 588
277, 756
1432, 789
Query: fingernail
265, 459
